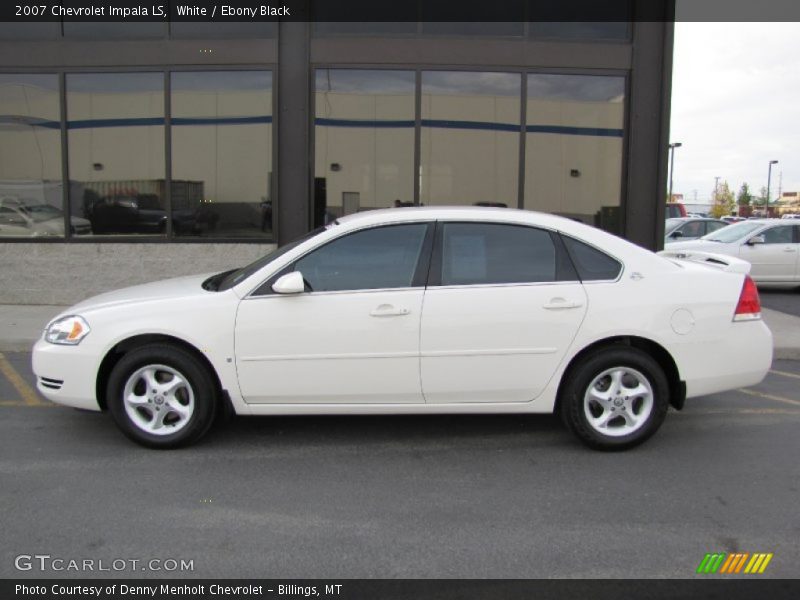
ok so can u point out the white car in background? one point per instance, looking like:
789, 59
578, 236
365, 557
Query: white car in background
29, 218
417, 310
771, 246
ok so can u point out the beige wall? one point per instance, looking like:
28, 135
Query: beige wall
460, 166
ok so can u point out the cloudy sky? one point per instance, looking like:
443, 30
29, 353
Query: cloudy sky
736, 106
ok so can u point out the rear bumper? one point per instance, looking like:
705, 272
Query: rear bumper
741, 358
65, 375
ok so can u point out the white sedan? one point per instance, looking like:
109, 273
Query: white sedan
417, 310
771, 246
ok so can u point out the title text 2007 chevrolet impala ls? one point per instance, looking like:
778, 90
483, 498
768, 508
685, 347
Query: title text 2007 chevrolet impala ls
418, 310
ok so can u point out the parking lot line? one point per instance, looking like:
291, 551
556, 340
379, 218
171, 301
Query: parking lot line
15, 379
785, 374
769, 397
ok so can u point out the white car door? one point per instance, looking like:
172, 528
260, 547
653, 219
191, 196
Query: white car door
353, 336
502, 306
776, 259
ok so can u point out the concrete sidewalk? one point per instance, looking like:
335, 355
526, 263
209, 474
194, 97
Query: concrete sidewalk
22, 325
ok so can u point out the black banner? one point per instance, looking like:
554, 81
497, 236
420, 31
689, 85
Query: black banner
398, 10
385, 589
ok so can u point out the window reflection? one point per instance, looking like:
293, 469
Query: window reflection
110, 30
116, 151
364, 141
31, 190
470, 138
573, 150
222, 153
581, 31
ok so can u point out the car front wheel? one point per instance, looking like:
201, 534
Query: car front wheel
162, 396
615, 398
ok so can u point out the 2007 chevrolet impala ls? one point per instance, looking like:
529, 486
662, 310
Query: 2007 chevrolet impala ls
418, 310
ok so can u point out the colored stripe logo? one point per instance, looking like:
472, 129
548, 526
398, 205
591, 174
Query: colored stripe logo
734, 563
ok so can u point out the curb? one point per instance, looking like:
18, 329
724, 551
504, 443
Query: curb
786, 354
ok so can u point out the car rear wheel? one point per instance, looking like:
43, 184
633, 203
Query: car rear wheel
615, 398
161, 396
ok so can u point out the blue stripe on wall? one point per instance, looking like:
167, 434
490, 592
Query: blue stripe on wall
323, 122
369, 123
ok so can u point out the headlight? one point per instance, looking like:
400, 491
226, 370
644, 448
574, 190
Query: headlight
67, 330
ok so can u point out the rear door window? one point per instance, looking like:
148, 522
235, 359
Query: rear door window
496, 253
591, 263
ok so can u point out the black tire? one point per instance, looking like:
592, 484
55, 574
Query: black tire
199, 383
573, 403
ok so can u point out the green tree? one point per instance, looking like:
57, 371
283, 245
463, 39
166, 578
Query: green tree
761, 199
745, 197
724, 201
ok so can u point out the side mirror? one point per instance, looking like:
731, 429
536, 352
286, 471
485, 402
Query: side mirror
676, 234
291, 283
756, 239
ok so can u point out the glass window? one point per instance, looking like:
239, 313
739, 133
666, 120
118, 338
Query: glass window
31, 190
470, 138
111, 30
573, 148
604, 21
361, 28
116, 151
222, 30
49, 30
779, 235
580, 31
378, 258
712, 226
363, 141
592, 265
693, 229
488, 253
473, 28
222, 153
734, 232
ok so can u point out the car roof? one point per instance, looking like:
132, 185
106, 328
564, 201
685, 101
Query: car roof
455, 213
692, 219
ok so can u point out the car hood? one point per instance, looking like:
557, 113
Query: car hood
180, 287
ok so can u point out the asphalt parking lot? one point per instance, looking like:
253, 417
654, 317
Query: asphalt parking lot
787, 301
449, 496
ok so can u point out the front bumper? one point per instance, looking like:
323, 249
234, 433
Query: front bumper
66, 374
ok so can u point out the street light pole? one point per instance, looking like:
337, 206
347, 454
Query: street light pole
672, 166
769, 180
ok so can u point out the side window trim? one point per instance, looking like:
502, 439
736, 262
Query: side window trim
565, 271
420, 271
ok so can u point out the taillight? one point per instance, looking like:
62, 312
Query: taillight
749, 306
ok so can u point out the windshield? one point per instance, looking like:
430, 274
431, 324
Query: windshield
731, 233
41, 212
672, 225
239, 275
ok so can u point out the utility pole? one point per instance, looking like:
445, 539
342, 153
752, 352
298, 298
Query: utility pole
672, 166
769, 180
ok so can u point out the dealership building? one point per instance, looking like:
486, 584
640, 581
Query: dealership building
131, 152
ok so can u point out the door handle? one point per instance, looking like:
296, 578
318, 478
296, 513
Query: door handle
561, 304
789, 250
387, 310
